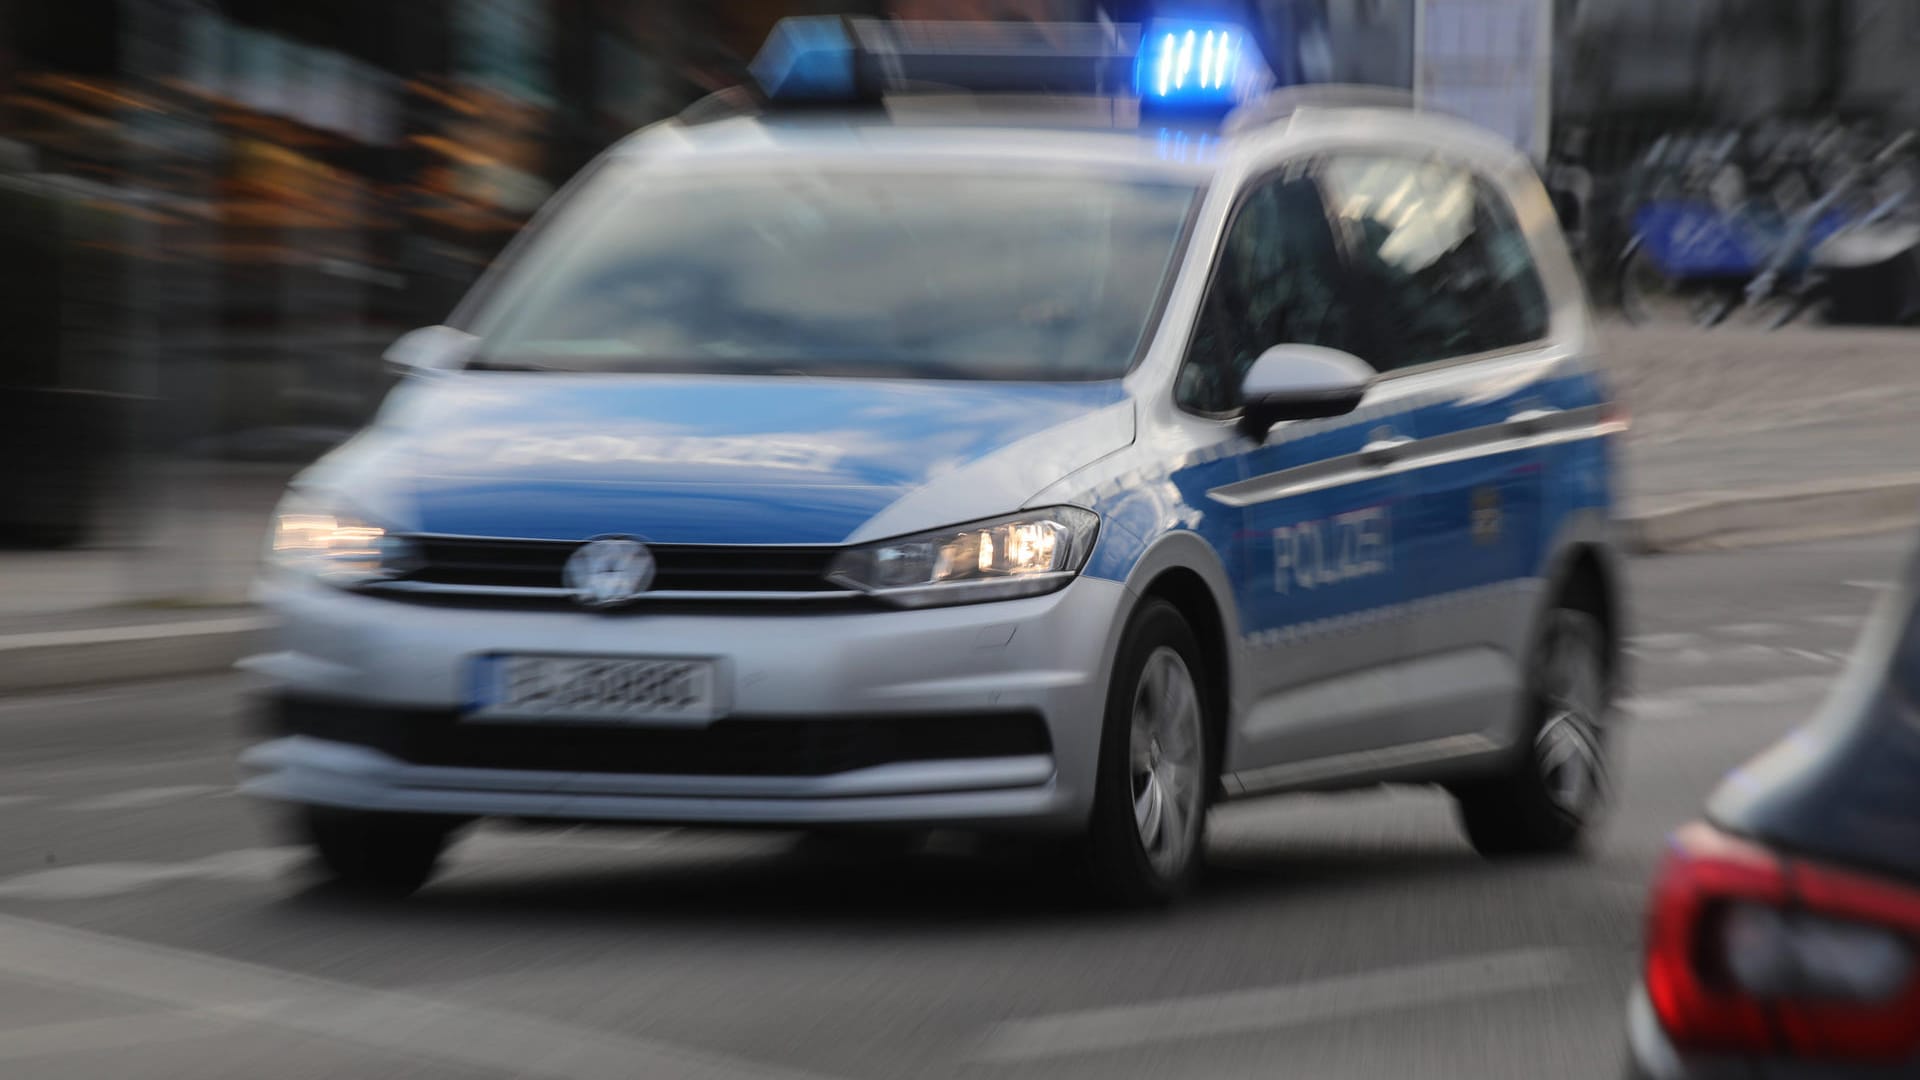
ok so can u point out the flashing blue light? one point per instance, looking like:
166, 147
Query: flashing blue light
1198, 66
807, 59
1179, 66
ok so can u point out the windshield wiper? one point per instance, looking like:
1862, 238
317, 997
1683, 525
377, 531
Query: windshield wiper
486, 364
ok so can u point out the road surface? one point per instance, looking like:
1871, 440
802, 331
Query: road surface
151, 927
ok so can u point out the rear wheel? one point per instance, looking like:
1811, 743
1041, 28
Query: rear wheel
1546, 801
377, 855
1156, 764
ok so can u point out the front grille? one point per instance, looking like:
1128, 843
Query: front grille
734, 747
540, 564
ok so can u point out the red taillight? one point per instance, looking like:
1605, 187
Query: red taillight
1751, 954
1869, 1005
1704, 874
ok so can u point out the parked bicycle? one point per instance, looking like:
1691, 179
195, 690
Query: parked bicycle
1707, 249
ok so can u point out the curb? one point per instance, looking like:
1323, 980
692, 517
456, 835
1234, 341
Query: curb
1784, 515
67, 658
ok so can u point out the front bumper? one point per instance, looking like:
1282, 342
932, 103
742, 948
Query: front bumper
894, 691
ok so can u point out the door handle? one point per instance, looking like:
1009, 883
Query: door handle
1384, 449
1528, 421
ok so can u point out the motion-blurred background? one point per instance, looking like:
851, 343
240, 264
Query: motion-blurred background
214, 214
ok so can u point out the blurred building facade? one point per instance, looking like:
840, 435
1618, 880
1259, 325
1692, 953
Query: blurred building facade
274, 189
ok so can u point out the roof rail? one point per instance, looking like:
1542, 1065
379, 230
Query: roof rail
1286, 101
723, 104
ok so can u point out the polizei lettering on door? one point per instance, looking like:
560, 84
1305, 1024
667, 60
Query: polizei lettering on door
1317, 554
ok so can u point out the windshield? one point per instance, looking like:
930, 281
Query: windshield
907, 275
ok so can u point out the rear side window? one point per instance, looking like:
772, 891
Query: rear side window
1440, 257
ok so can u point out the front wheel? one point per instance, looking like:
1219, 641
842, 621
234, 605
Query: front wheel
1156, 764
1546, 801
377, 855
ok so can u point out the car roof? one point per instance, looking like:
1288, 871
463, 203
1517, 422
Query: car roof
828, 137
985, 133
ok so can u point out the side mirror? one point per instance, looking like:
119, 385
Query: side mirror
1300, 382
430, 349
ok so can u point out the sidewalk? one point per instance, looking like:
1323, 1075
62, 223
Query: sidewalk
189, 537
1746, 436
1737, 438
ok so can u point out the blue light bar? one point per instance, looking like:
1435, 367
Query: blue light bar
1180, 66
1198, 66
808, 58
821, 59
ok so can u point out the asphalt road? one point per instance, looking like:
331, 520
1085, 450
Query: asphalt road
151, 927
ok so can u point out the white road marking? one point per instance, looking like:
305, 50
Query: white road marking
93, 881
142, 798
1752, 629
109, 634
1662, 641
1659, 708
1812, 654
1692, 700
1269, 1008
480, 1038
1871, 586
110, 1033
55, 697
1736, 652
1838, 620
264, 865
1751, 693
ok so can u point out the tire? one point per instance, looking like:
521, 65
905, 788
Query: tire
1156, 766
1557, 786
1649, 298
386, 856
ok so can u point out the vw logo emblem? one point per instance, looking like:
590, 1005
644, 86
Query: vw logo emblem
609, 571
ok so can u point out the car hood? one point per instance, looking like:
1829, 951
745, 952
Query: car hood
716, 460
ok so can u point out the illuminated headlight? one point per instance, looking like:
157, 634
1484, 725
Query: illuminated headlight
1021, 555
338, 548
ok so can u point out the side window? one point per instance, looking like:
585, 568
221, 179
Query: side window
1278, 281
1438, 254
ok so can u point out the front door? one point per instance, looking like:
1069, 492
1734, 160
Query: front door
1316, 552
1460, 318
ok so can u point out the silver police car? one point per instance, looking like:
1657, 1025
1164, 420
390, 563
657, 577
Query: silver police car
859, 458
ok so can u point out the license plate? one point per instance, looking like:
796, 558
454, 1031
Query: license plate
607, 689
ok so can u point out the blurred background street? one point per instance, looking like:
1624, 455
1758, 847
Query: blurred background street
216, 214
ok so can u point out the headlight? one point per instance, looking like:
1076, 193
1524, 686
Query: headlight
1020, 555
335, 547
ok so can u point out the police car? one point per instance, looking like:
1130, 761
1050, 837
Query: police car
909, 449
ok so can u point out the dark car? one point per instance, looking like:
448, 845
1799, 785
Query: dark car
1783, 938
